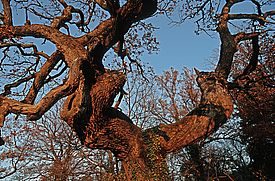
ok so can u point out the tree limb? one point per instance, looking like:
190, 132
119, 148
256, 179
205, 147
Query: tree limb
34, 112
214, 109
24, 46
41, 76
118, 134
7, 18
64, 43
66, 16
228, 46
253, 62
259, 18
245, 36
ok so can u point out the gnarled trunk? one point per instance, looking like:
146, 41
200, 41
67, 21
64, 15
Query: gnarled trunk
143, 153
90, 89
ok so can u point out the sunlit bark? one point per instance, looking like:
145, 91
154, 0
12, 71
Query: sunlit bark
90, 89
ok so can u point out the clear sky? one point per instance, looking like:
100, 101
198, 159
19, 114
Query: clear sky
180, 46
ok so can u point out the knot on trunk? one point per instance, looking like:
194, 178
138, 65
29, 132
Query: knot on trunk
215, 96
86, 106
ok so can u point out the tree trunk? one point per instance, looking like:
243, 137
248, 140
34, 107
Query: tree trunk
143, 153
90, 89
151, 165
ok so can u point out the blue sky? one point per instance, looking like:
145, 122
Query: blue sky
180, 46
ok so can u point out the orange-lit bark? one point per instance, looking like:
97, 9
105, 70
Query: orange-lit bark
90, 89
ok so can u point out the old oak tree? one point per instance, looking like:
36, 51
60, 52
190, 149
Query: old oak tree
89, 89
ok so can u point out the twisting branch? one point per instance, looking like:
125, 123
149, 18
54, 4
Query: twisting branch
65, 43
253, 62
34, 112
41, 76
22, 46
7, 87
66, 16
80, 23
109, 5
87, 107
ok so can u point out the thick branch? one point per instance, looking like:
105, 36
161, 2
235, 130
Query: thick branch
228, 45
64, 43
229, 42
41, 76
7, 13
107, 31
118, 134
66, 16
87, 105
253, 62
36, 111
245, 36
259, 18
227, 51
98, 42
110, 31
214, 110
144, 152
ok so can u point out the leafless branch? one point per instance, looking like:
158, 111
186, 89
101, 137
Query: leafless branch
7, 13
40, 76
261, 19
7, 88
245, 36
22, 46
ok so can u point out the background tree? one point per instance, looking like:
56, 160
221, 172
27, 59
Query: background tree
90, 89
47, 149
255, 101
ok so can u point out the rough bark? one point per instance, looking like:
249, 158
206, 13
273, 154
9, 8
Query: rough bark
143, 152
90, 89
7, 12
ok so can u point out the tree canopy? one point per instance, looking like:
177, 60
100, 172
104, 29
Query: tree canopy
56, 51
